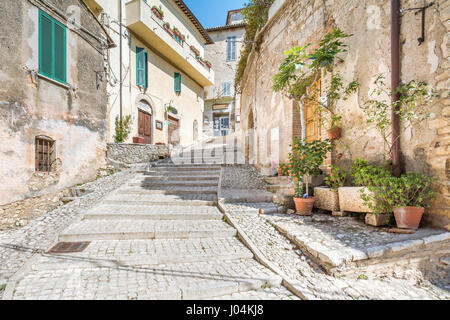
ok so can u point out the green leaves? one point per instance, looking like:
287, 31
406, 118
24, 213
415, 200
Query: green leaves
387, 192
337, 178
123, 128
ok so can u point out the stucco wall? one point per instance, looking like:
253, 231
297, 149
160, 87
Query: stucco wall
424, 147
73, 115
160, 92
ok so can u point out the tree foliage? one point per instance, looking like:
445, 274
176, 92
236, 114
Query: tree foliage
123, 128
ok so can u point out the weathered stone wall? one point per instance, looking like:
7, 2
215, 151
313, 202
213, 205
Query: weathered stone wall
72, 114
135, 153
424, 147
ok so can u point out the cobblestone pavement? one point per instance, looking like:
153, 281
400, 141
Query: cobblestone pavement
310, 279
17, 246
157, 246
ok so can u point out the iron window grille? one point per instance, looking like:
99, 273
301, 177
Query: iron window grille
45, 153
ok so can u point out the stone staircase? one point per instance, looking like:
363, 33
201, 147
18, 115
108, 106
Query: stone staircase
159, 236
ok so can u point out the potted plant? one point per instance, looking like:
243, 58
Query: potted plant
334, 132
409, 195
208, 64
327, 198
158, 12
166, 26
304, 162
138, 140
374, 184
194, 49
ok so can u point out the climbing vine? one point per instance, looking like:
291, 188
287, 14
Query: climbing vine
255, 14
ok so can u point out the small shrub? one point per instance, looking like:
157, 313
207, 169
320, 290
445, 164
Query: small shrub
337, 178
123, 129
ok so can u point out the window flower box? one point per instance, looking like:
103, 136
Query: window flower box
138, 140
166, 26
194, 50
158, 12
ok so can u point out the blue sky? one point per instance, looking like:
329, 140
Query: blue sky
213, 13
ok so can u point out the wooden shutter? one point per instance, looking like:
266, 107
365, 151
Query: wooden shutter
45, 44
141, 123
146, 68
59, 45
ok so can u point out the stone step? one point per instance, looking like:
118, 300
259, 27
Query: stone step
142, 212
149, 199
113, 253
174, 183
88, 230
253, 208
188, 281
212, 178
187, 168
178, 173
243, 196
167, 190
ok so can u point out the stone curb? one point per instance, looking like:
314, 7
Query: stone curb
286, 281
323, 255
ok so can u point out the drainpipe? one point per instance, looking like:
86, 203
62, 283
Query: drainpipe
120, 59
395, 81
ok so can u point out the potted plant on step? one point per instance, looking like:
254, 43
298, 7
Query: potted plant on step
304, 162
409, 195
327, 198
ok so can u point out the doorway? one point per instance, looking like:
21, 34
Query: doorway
221, 126
145, 126
173, 130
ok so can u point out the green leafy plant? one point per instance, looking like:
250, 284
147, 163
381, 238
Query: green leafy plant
300, 71
123, 128
337, 178
411, 189
283, 169
412, 107
305, 161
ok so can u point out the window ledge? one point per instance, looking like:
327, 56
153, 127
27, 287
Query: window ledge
64, 85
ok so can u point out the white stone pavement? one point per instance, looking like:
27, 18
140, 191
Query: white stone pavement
169, 244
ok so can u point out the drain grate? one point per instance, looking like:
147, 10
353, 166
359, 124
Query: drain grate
69, 247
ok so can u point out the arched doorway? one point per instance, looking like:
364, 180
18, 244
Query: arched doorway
195, 130
145, 113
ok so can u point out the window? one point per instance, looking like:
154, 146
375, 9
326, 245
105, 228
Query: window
226, 89
231, 48
141, 67
45, 153
177, 82
52, 48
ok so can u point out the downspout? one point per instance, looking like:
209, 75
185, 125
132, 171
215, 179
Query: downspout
120, 60
395, 81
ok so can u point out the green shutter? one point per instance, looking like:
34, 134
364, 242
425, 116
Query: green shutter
140, 67
177, 82
45, 45
60, 52
146, 69
52, 48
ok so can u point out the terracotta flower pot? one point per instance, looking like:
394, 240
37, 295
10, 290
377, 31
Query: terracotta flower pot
304, 206
138, 140
408, 217
334, 133
156, 12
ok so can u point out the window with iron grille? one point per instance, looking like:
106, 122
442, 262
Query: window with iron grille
45, 153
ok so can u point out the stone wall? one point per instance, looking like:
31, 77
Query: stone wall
72, 114
424, 147
125, 153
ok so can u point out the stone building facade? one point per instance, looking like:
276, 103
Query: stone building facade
274, 118
222, 114
163, 78
52, 96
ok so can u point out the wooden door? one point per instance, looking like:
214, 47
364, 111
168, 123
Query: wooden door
174, 134
312, 124
145, 126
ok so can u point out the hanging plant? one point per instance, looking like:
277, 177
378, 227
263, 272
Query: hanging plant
158, 12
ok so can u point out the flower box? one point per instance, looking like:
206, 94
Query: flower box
167, 28
326, 199
350, 200
157, 13
138, 140
208, 64
194, 50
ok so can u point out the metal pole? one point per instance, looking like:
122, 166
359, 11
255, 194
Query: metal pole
120, 58
395, 81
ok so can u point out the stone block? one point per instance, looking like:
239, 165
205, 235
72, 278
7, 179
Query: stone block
339, 213
326, 199
377, 220
350, 199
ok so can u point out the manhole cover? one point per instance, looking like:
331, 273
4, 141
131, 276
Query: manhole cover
69, 247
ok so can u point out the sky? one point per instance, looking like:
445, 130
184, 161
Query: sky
213, 13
